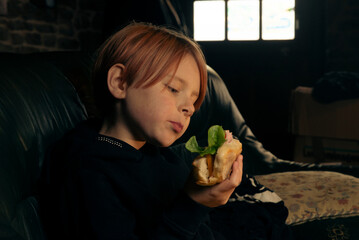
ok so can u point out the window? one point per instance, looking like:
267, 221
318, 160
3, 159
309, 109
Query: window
244, 20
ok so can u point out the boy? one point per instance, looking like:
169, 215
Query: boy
114, 178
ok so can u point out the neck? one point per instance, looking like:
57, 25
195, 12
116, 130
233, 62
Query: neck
119, 131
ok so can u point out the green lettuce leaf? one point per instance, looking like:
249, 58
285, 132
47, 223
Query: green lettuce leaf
216, 137
192, 145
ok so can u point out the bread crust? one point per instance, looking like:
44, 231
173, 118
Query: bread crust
201, 170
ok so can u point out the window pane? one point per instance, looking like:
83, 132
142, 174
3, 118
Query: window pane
209, 19
278, 19
243, 20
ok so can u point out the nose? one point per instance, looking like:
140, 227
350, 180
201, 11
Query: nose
187, 109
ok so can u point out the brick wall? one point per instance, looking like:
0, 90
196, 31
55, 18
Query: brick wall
71, 25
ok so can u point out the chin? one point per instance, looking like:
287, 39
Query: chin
167, 142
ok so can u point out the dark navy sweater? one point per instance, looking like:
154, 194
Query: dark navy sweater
97, 187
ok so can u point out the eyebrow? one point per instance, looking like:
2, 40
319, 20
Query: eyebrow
194, 93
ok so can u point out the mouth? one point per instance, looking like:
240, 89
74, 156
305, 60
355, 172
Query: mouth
176, 126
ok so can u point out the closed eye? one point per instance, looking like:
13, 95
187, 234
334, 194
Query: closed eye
171, 89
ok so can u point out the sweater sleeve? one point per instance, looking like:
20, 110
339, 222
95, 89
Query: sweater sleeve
185, 216
108, 218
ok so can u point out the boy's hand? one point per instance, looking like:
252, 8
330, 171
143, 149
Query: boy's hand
216, 195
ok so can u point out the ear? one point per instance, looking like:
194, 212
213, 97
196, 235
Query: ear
115, 82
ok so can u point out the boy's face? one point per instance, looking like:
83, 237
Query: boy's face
160, 114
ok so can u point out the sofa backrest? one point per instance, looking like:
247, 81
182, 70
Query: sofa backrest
37, 105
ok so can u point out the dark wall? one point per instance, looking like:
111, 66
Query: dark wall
119, 13
261, 75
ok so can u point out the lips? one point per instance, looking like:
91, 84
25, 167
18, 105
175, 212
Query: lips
176, 126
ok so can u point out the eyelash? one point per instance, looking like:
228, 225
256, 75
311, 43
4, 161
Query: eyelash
173, 90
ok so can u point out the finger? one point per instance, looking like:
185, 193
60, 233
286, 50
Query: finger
240, 158
237, 171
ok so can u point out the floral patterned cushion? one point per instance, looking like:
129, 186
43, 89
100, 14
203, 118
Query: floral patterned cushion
313, 195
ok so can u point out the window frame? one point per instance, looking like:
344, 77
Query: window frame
260, 39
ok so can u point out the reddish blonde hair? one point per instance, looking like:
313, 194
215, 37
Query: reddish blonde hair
148, 53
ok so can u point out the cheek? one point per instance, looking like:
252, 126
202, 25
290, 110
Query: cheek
168, 103
185, 126
162, 103
153, 109
147, 106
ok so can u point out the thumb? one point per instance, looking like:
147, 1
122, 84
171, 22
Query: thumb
237, 170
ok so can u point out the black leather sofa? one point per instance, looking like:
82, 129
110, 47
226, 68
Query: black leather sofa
43, 95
